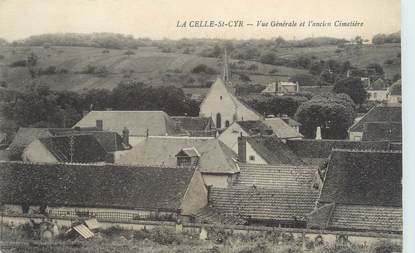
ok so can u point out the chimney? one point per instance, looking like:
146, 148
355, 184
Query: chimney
99, 124
147, 133
126, 136
242, 149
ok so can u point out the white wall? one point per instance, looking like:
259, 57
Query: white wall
251, 152
230, 136
220, 181
37, 152
355, 136
377, 95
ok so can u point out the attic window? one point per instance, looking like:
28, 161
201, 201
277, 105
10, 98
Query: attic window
220, 97
227, 123
251, 158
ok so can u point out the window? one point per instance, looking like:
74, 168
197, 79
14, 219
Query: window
227, 123
251, 158
218, 121
184, 161
220, 97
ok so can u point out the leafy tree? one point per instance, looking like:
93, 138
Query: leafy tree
244, 77
333, 113
277, 105
268, 57
129, 53
31, 63
353, 87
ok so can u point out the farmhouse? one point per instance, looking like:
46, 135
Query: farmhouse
216, 161
196, 126
271, 126
65, 149
388, 113
272, 195
25, 136
102, 191
362, 191
224, 108
265, 150
378, 90
281, 88
139, 123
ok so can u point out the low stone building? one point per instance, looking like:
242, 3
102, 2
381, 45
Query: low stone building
102, 191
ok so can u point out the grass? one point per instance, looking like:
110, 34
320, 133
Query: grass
117, 240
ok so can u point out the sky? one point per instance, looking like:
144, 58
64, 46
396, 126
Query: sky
157, 19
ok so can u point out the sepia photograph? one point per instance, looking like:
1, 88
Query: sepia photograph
209, 127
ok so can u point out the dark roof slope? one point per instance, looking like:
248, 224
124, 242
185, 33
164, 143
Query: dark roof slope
379, 84
277, 176
255, 127
107, 186
75, 148
363, 178
194, 123
273, 150
310, 148
271, 204
110, 141
382, 131
25, 135
378, 114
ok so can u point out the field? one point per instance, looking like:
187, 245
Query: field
151, 66
146, 64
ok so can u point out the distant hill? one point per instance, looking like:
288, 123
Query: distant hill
78, 68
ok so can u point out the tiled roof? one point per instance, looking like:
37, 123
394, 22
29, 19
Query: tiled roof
273, 150
195, 123
378, 114
370, 178
75, 148
255, 127
310, 148
379, 84
158, 123
212, 216
281, 128
110, 141
367, 218
382, 131
277, 176
129, 187
215, 157
255, 203
26, 135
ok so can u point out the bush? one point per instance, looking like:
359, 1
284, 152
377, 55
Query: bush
165, 236
51, 70
97, 70
202, 68
129, 52
244, 77
19, 63
253, 67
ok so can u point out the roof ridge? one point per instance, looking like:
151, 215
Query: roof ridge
366, 150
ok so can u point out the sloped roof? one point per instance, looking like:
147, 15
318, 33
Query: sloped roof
396, 88
254, 127
382, 131
271, 87
311, 148
290, 121
370, 178
281, 128
110, 141
378, 114
158, 123
277, 176
25, 136
195, 123
130, 187
212, 216
379, 84
75, 148
215, 157
366, 218
271, 204
273, 150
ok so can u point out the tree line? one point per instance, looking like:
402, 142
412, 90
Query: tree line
39, 106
